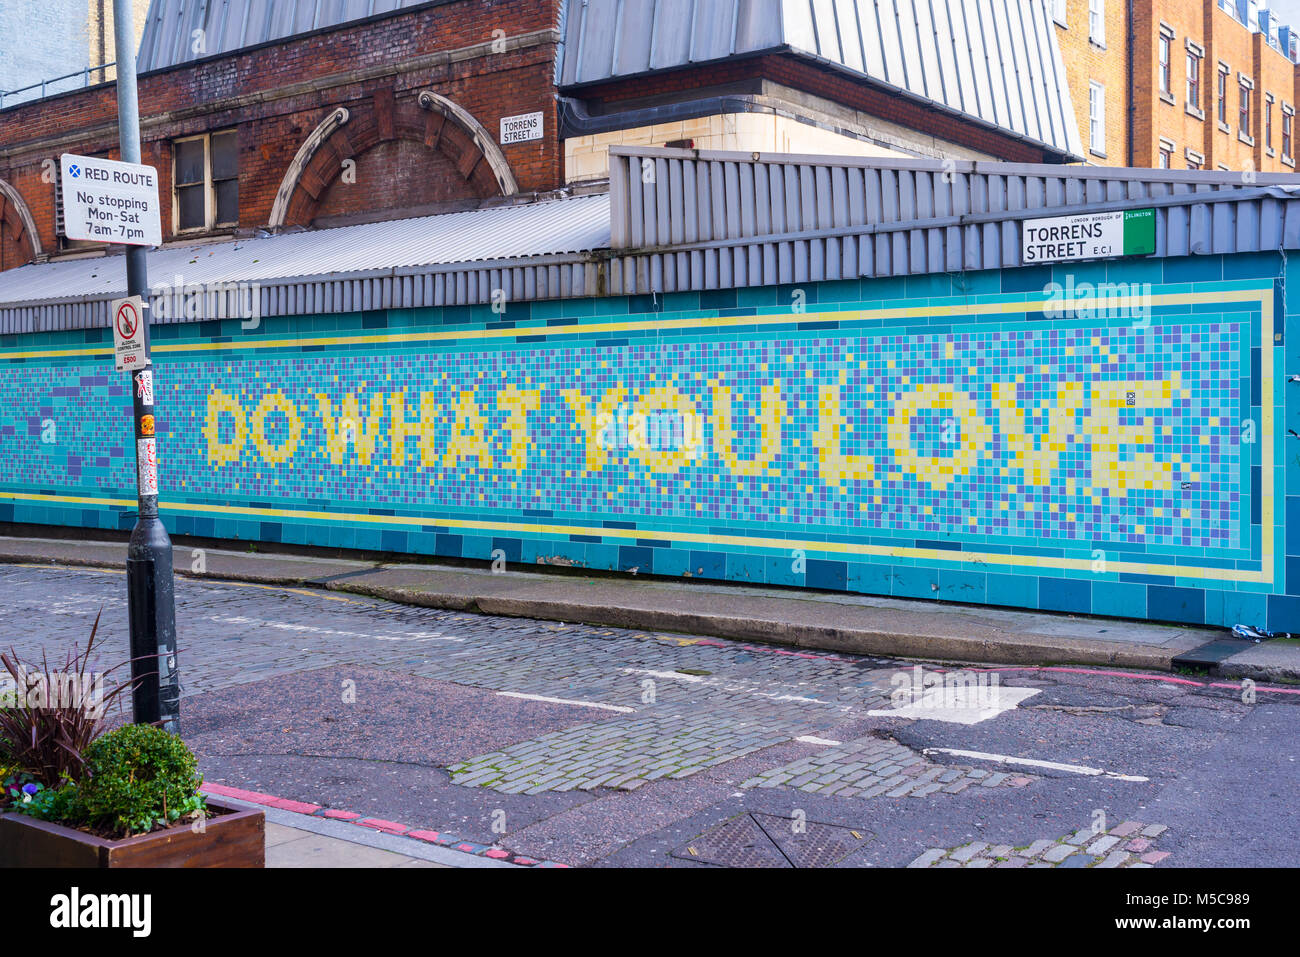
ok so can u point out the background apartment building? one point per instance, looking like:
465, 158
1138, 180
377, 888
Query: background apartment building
51, 46
1181, 84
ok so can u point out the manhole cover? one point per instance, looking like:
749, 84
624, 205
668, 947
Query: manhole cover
738, 843
766, 840
814, 844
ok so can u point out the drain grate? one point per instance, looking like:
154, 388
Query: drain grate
817, 845
767, 840
738, 843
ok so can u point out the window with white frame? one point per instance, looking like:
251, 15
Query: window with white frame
1194, 57
1243, 114
205, 181
1167, 148
1166, 46
1269, 102
1059, 12
1288, 124
1097, 118
1224, 72
1097, 21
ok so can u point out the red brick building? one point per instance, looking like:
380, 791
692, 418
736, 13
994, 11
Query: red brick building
324, 118
260, 116
1182, 84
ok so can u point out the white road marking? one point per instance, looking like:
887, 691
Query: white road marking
585, 704
676, 676
981, 704
316, 630
1035, 763
810, 739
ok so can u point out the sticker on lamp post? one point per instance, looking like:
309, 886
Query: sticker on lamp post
108, 201
129, 352
147, 457
144, 387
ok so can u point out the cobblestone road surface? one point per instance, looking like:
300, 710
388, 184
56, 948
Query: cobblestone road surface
600, 746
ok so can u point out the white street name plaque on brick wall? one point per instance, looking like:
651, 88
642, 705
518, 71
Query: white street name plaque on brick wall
520, 129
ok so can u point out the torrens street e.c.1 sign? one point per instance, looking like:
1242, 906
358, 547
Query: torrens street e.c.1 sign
107, 201
521, 128
1130, 232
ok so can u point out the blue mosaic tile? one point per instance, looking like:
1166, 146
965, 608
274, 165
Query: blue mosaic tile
1110, 463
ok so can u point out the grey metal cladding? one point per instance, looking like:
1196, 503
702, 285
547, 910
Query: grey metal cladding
782, 218
170, 36
997, 61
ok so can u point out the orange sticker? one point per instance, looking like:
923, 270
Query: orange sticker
146, 425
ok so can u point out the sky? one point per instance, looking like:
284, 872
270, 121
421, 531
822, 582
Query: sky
1288, 11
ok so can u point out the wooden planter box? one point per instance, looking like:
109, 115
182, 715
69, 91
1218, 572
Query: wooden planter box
235, 838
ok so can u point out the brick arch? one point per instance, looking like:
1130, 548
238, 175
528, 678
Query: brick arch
439, 126
17, 228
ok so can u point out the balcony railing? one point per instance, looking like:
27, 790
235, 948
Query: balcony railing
7, 97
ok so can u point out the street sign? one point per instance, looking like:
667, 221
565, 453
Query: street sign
107, 201
129, 351
1130, 232
521, 128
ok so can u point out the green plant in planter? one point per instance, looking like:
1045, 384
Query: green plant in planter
140, 777
20, 792
56, 765
47, 739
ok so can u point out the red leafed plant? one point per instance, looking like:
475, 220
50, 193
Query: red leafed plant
48, 740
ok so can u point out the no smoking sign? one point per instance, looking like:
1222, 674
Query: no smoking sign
128, 334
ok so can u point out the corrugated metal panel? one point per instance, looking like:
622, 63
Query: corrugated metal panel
996, 61
228, 25
782, 218
539, 246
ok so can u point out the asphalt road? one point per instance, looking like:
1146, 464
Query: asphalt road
595, 746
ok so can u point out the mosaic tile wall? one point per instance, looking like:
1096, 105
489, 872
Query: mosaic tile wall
964, 437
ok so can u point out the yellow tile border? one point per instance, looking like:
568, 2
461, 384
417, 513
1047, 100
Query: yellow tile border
1265, 575
698, 322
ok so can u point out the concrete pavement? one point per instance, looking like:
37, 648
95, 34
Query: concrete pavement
294, 847
857, 624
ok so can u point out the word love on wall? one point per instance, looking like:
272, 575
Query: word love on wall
1097, 434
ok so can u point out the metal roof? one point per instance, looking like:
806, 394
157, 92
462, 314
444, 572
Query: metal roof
714, 220
74, 293
228, 25
995, 62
